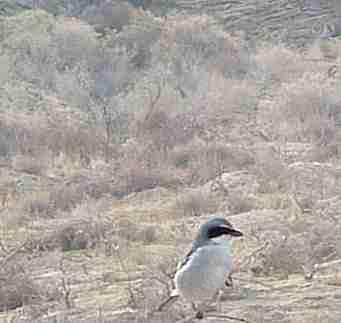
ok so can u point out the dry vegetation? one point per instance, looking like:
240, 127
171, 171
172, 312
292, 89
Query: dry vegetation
121, 132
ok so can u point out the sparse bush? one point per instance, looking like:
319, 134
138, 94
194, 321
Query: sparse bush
319, 318
74, 41
306, 110
271, 171
140, 36
189, 41
107, 15
17, 288
131, 232
39, 206
238, 203
208, 160
292, 247
275, 64
79, 143
8, 140
166, 131
83, 227
30, 165
138, 178
66, 197
71, 238
149, 234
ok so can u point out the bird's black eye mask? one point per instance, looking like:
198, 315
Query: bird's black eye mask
220, 230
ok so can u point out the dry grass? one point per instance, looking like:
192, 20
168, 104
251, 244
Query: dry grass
196, 203
315, 319
307, 108
18, 287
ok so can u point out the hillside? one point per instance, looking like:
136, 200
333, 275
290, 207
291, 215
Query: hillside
293, 22
124, 126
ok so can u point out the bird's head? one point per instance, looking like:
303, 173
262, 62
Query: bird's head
218, 227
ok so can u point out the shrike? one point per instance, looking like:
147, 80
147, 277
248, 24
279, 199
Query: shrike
202, 274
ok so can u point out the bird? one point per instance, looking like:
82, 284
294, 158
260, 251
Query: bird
202, 274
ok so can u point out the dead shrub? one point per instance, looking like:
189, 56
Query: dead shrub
326, 152
285, 256
149, 234
189, 41
17, 288
139, 38
271, 171
166, 131
133, 232
319, 318
275, 64
74, 41
8, 140
237, 202
139, 179
28, 40
208, 160
84, 227
75, 141
39, 206
29, 164
328, 248
223, 107
306, 110
73, 238
18, 142
195, 203
294, 247
107, 16
40, 140
147, 173
66, 197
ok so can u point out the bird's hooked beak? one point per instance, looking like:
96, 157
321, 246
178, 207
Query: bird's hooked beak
231, 231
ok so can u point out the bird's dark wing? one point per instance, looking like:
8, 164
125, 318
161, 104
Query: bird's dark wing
186, 258
196, 246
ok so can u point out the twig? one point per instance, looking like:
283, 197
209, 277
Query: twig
228, 317
13, 253
327, 264
248, 258
169, 301
255, 281
188, 319
153, 102
3, 248
130, 289
160, 280
65, 285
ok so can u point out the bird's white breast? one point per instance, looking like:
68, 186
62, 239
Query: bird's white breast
205, 272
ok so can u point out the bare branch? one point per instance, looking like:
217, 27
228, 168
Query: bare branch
125, 270
228, 317
248, 258
153, 102
65, 285
13, 253
252, 280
